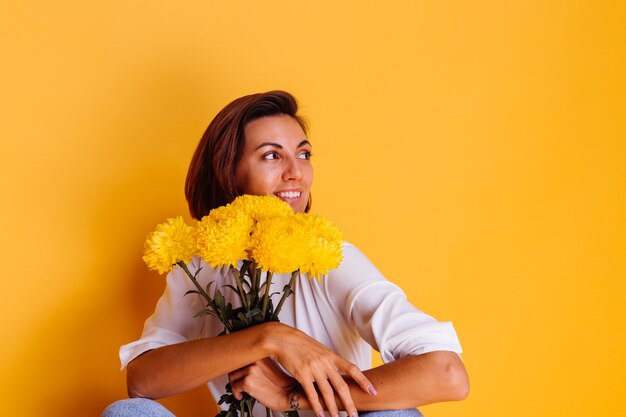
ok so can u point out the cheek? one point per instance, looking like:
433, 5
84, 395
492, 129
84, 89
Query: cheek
255, 181
309, 175
261, 185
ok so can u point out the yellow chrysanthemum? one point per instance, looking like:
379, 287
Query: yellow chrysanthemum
325, 244
261, 207
223, 236
279, 244
170, 243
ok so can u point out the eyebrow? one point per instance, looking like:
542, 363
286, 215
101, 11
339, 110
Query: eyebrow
276, 145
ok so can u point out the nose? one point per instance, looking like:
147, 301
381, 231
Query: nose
293, 170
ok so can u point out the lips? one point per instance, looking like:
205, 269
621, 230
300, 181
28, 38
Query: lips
288, 194
295, 198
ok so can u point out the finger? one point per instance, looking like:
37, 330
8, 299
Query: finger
270, 369
238, 374
343, 391
237, 380
267, 366
355, 373
328, 394
311, 393
237, 388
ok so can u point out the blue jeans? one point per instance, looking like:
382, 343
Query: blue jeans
142, 407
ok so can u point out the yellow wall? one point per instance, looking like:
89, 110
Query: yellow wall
475, 151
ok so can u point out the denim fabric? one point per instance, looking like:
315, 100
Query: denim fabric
142, 407
411, 412
136, 407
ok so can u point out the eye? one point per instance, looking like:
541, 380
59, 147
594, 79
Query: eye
271, 155
305, 155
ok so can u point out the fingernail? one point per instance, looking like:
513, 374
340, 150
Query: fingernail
320, 414
372, 390
354, 414
337, 415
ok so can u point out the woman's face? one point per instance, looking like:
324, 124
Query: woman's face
276, 161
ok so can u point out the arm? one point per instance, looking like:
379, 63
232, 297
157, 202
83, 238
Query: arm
409, 382
422, 366
170, 358
176, 368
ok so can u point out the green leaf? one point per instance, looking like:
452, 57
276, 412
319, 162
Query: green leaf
195, 275
242, 318
232, 287
227, 314
252, 298
219, 299
253, 312
246, 283
206, 312
208, 286
245, 264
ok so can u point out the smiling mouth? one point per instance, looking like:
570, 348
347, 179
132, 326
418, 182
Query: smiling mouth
289, 194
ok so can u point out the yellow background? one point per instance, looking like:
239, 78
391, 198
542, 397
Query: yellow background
475, 151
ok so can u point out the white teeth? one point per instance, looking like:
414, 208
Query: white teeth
289, 194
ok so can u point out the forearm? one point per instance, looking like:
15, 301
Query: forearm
177, 368
410, 382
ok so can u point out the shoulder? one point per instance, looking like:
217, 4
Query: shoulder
354, 263
355, 273
351, 254
357, 285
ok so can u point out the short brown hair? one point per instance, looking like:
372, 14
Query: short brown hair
211, 176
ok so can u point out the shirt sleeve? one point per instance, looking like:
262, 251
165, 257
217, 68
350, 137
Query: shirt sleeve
381, 313
172, 321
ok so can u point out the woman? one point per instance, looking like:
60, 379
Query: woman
258, 145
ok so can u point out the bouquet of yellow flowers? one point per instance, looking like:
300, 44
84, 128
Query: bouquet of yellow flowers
265, 236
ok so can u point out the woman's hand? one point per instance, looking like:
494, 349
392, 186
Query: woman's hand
312, 363
265, 382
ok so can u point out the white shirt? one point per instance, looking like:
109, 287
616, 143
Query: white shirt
352, 309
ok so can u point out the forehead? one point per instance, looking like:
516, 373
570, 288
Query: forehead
281, 129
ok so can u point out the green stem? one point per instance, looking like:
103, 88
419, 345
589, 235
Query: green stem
251, 402
238, 277
193, 279
251, 268
257, 278
257, 286
287, 292
266, 297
